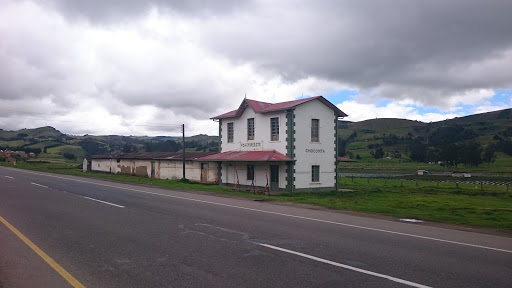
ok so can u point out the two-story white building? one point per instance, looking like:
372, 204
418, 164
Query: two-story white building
288, 146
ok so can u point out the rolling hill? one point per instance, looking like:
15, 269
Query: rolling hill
396, 138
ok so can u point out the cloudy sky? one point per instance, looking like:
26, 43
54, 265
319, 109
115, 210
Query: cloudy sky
135, 67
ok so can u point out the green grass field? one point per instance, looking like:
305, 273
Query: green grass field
467, 204
503, 164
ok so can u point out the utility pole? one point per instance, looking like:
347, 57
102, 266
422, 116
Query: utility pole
183, 155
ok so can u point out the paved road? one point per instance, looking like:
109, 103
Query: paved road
149, 237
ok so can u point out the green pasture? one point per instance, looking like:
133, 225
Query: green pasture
14, 143
43, 144
73, 149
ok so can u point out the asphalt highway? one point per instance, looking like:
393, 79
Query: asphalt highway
107, 234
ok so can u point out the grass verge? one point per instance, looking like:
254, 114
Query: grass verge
467, 204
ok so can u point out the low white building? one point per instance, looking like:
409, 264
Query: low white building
160, 165
288, 146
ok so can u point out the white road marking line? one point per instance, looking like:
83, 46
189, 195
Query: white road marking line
9, 177
412, 284
282, 214
38, 185
102, 201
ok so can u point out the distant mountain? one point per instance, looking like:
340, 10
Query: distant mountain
42, 132
384, 124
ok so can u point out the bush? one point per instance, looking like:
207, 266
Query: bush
69, 156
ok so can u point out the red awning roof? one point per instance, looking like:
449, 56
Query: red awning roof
247, 156
264, 107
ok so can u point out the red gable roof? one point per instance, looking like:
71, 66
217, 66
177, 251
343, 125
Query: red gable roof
263, 107
247, 156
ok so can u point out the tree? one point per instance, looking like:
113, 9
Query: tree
471, 154
418, 152
489, 154
128, 148
448, 154
342, 147
379, 153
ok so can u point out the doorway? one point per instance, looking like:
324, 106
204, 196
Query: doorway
274, 177
204, 172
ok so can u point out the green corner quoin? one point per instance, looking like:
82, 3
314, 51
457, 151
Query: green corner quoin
290, 151
336, 152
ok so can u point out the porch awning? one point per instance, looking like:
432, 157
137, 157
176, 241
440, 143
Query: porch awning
247, 156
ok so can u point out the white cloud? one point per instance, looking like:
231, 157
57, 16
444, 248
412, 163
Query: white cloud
400, 109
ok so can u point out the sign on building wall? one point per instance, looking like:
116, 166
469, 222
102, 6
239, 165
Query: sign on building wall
251, 146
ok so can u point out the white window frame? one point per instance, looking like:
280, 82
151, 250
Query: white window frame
232, 132
315, 130
250, 129
315, 175
274, 133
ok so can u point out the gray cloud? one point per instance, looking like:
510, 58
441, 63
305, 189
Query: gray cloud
429, 44
186, 61
106, 12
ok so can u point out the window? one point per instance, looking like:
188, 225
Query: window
274, 129
250, 172
250, 129
230, 132
315, 130
315, 173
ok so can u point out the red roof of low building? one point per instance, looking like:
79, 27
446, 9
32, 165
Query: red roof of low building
247, 156
154, 155
264, 107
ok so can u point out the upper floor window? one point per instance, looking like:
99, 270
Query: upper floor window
315, 130
250, 129
274, 129
315, 173
231, 132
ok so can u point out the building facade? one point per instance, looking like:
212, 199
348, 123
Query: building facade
164, 165
288, 146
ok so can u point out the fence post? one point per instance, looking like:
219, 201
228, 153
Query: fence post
457, 185
368, 181
416, 183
